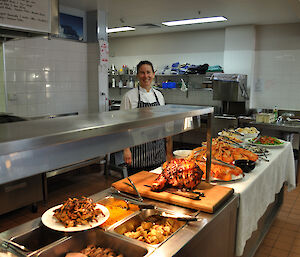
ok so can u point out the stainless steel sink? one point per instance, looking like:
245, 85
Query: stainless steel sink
97, 237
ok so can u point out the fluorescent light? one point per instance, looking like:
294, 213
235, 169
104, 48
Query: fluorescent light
119, 29
194, 21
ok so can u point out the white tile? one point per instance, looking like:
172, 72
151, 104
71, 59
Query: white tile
11, 76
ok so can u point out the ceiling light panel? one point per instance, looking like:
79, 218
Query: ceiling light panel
194, 21
120, 29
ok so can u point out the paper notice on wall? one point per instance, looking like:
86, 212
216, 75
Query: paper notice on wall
31, 15
104, 54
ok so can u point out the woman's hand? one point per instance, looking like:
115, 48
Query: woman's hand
127, 156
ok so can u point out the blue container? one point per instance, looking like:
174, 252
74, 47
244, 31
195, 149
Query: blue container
169, 85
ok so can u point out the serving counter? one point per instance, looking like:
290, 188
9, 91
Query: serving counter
32, 147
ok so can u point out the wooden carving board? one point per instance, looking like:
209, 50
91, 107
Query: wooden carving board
214, 194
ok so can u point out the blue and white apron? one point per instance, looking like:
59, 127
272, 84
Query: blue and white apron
151, 153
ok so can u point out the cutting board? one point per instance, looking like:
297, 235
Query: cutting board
214, 194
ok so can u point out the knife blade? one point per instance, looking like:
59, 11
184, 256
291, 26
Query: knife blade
176, 191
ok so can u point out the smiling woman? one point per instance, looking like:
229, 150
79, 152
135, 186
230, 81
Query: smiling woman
150, 155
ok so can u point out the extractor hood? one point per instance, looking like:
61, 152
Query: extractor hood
22, 19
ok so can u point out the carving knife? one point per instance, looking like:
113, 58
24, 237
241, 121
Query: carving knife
175, 191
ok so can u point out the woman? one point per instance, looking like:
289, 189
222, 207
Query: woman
152, 154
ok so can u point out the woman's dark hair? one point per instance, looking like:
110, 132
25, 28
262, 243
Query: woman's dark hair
142, 63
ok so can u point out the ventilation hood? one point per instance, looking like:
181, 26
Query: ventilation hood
22, 19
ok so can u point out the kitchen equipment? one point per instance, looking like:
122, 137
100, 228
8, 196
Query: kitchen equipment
231, 89
215, 195
97, 237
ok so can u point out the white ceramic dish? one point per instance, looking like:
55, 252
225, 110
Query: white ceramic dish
182, 153
51, 222
250, 141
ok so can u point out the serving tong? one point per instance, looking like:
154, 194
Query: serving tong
260, 156
180, 217
8, 243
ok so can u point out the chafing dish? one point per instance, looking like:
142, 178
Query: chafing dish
99, 238
154, 216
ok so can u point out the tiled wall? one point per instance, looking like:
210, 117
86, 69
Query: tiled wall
277, 80
46, 76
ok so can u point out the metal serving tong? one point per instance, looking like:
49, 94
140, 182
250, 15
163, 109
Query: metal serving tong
7, 243
180, 217
234, 132
133, 186
130, 197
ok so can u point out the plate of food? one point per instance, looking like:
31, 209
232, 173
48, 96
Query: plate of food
266, 141
75, 215
231, 135
248, 132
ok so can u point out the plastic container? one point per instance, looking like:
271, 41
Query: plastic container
169, 85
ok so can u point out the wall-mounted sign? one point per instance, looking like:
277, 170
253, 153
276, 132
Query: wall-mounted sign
31, 15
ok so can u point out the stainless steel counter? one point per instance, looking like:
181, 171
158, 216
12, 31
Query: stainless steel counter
213, 235
33, 147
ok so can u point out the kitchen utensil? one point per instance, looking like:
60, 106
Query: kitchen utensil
176, 191
181, 217
7, 243
138, 193
234, 132
116, 191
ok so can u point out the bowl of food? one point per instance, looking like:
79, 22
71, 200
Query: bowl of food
179, 154
246, 165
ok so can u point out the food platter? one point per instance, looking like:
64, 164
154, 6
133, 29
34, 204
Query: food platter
251, 141
233, 178
51, 222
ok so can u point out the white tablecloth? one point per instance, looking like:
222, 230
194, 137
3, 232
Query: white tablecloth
258, 188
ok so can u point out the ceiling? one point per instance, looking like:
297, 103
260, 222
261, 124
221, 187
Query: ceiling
147, 16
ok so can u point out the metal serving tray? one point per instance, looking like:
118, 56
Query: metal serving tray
151, 215
97, 237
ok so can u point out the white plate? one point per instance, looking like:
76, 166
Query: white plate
51, 222
249, 141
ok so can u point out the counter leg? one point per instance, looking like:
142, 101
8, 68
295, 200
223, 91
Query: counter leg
208, 153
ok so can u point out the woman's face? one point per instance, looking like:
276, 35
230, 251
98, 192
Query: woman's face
145, 76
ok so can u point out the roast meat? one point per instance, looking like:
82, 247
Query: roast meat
180, 173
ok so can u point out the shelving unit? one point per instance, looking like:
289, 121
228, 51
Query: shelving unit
193, 81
